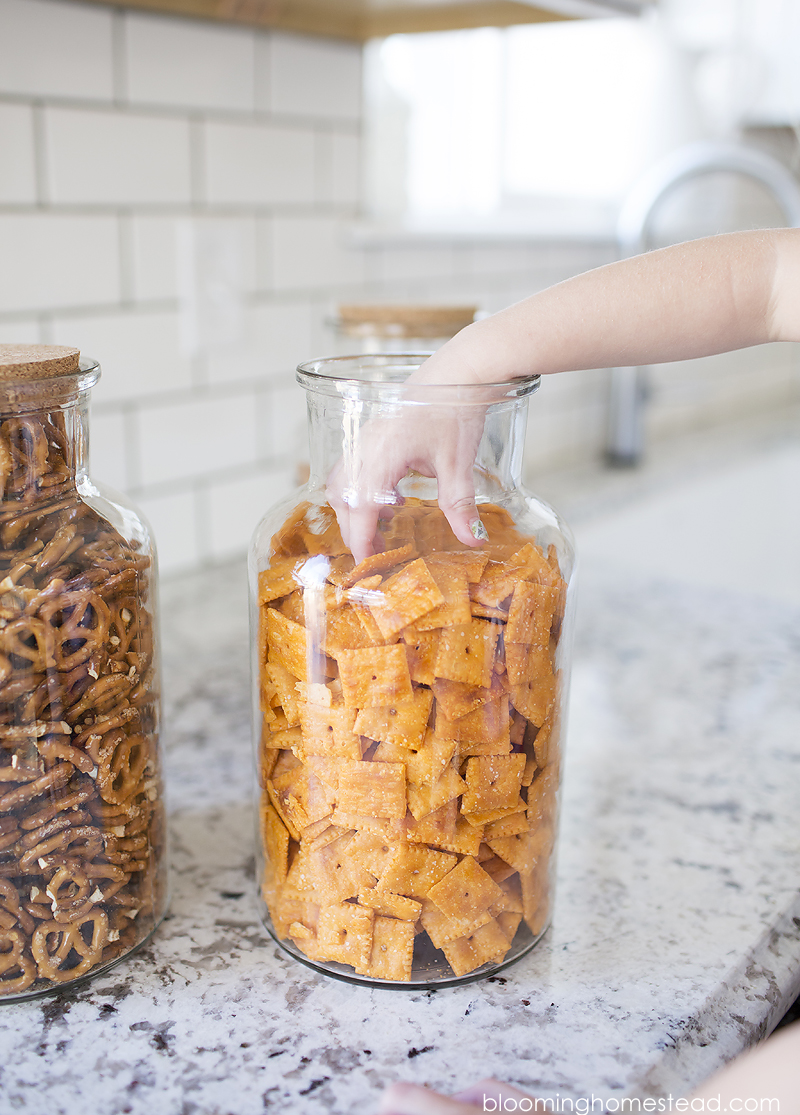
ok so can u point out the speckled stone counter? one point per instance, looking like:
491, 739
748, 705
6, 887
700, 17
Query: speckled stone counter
676, 940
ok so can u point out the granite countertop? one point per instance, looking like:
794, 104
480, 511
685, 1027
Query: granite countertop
676, 939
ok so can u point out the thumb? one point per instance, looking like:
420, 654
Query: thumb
457, 501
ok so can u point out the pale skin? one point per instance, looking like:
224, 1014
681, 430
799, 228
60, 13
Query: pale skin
770, 1071
695, 299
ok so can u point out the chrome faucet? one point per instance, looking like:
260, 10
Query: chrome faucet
627, 390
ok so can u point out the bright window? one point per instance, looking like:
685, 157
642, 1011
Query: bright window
491, 124
474, 123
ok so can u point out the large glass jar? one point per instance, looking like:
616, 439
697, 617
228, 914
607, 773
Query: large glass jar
409, 710
82, 861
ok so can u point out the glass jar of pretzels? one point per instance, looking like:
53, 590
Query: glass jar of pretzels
409, 708
81, 806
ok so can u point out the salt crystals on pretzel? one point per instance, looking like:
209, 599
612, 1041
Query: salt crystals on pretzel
409, 752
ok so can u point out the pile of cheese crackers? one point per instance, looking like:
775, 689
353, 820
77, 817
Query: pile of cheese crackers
409, 754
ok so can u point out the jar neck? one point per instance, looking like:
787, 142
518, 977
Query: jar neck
338, 424
43, 441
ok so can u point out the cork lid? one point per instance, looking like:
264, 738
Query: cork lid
32, 362
405, 320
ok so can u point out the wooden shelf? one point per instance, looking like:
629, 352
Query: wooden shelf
358, 20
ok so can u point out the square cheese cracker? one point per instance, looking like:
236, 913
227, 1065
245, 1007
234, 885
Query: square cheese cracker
455, 699
412, 871
437, 828
531, 614
493, 783
421, 648
329, 731
466, 653
465, 954
451, 580
392, 950
465, 891
441, 929
344, 934
423, 800
377, 563
375, 677
404, 597
287, 644
486, 729
403, 722
372, 789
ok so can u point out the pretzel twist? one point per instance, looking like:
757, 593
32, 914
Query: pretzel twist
53, 944
79, 626
27, 640
12, 960
121, 766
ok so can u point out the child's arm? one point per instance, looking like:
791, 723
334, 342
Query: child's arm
694, 299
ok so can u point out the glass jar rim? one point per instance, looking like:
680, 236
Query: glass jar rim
61, 390
332, 375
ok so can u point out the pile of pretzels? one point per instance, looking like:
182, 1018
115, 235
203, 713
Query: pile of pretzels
81, 813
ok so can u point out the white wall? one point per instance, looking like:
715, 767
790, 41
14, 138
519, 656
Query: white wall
128, 142
175, 199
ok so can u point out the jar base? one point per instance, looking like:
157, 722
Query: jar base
430, 970
79, 981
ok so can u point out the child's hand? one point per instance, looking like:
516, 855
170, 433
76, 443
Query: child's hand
433, 439
411, 1099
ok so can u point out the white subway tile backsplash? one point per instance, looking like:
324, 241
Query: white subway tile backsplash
187, 63
500, 259
314, 77
196, 437
339, 174
20, 331
154, 262
17, 163
58, 261
107, 450
52, 49
276, 339
417, 263
264, 276
282, 424
139, 352
110, 157
258, 164
283, 335
216, 271
173, 520
236, 506
263, 49
312, 252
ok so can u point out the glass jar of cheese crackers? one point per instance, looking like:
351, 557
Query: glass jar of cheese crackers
409, 708
81, 807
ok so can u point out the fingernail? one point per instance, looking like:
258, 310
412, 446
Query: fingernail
479, 531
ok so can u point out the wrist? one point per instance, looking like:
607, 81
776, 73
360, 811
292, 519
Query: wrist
481, 353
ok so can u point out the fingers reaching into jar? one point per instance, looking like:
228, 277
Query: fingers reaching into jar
433, 433
437, 442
